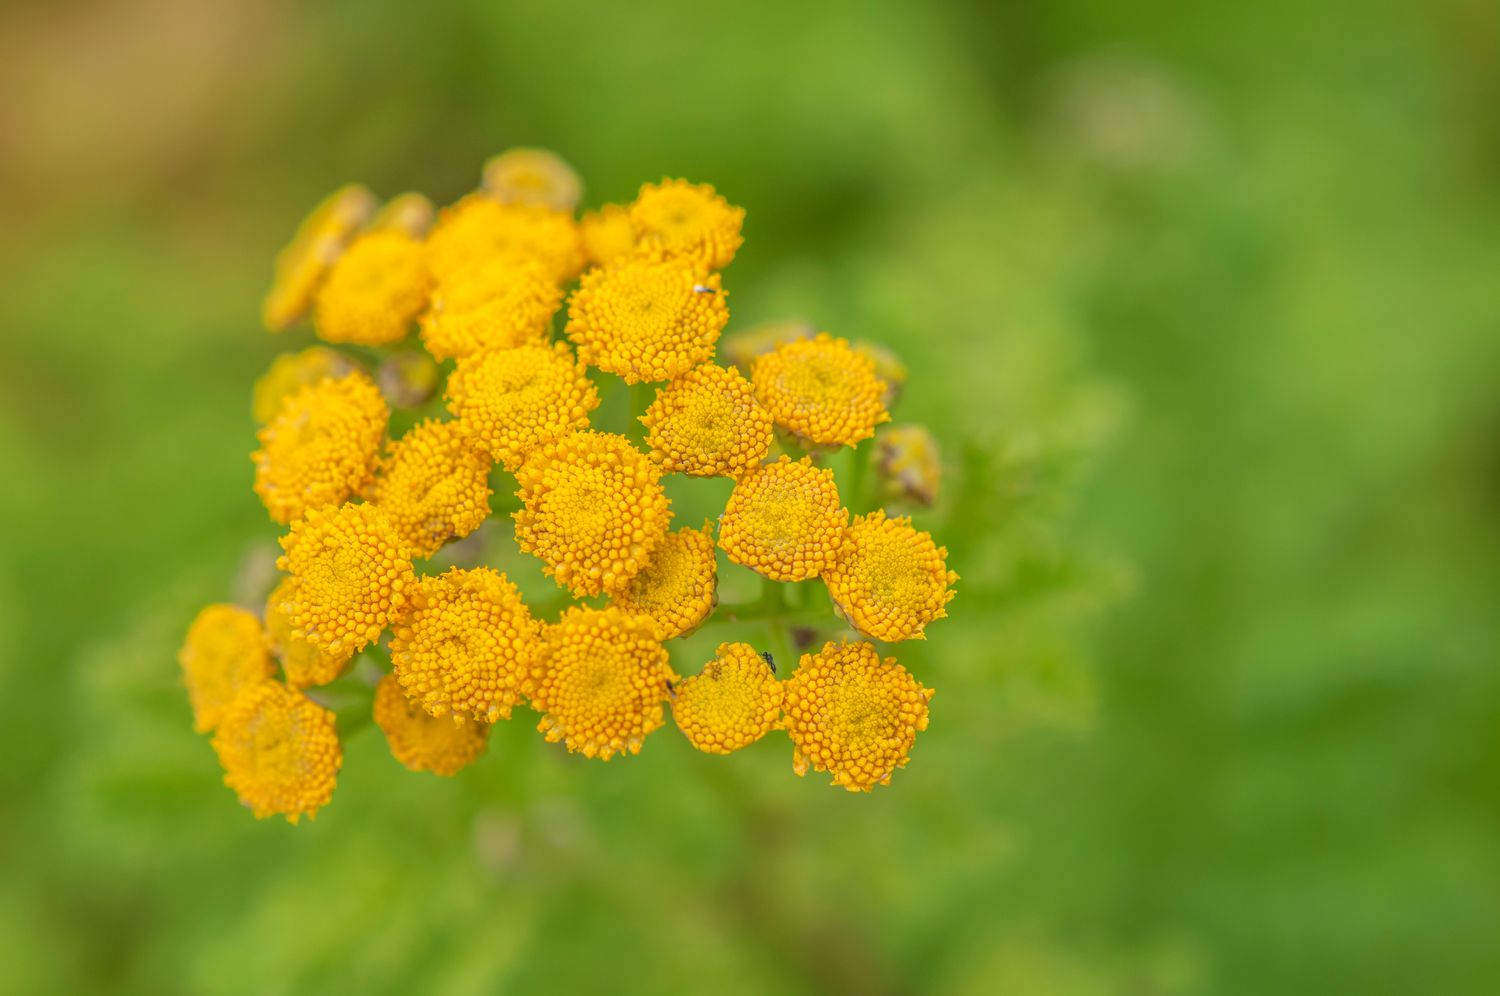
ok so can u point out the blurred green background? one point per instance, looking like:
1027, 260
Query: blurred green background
1202, 301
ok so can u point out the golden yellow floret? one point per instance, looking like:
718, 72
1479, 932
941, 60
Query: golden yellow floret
707, 423
821, 390
852, 715
603, 679
302, 663
607, 234
732, 703
494, 304
322, 446
434, 486
302, 265
908, 464
687, 219
353, 580
533, 176
593, 510
411, 213
890, 580
224, 654
374, 292
280, 752
467, 646
423, 742
677, 587
290, 371
480, 227
514, 400
784, 520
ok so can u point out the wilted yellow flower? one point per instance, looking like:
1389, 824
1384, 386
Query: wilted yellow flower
352, 578
224, 654
411, 213
374, 292
594, 510
908, 464
495, 304
732, 703
423, 742
889, 580
280, 752
889, 369
607, 234
321, 447
480, 227
533, 176
852, 715
288, 372
302, 663
741, 347
303, 264
514, 400
467, 646
688, 219
434, 485
603, 678
821, 390
708, 423
784, 520
677, 587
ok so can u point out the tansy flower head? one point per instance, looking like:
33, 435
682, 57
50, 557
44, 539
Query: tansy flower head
434, 485
594, 510
852, 715
821, 390
321, 447
280, 752
423, 742
603, 678
288, 372
480, 227
889, 580
467, 646
374, 292
707, 423
607, 234
731, 704
514, 400
302, 663
676, 589
303, 264
688, 219
224, 654
495, 304
784, 520
352, 578
648, 317
410, 213
533, 176
908, 463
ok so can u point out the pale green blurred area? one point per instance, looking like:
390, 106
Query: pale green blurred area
1202, 302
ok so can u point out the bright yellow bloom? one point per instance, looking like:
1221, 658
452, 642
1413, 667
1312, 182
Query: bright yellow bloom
688, 219
423, 742
321, 447
514, 400
495, 304
734, 702
480, 227
707, 423
374, 292
533, 176
603, 678
908, 464
607, 234
467, 646
677, 587
821, 390
224, 654
434, 485
784, 520
411, 213
594, 510
288, 372
303, 264
889, 580
280, 752
352, 578
852, 715
302, 663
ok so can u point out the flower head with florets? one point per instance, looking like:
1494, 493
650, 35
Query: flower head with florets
784, 520
733, 702
707, 423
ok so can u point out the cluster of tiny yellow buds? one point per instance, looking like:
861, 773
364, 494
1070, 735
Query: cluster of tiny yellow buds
853, 715
678, 586
602, 681
374, 292
890, 580
321, 447
908, 464
494, 304
607, 234
410, 213
784, 520
291, 371
423, 742
224, 654
319, 241
515, 400
707, 423
687, 219
467, 645
434, 486
480, 227
302, 663
280, 752
732, 703
821, 390
593, 510
533, 176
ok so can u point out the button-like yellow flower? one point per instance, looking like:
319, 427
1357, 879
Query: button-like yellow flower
374, 292
688, 219
677, 587
908, 464
707, 423
607, 234
302, 663
889, 580
494, 304
594, 510
480, 227
223, 655
352, 578
467, 646
423, 742
603, 679
821, 390
533, 176
322, 446
852, 715
434, 485
784, 520
288, 372
732, 703
280, 752
514, 400
303, 264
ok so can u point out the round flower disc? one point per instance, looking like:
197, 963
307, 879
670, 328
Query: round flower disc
784, 520
677, 587
423, 742
687, 219
374, 292
890, 580
480, 227
732, 703
434, 485
280, 752
224, 654
821, 390
707, 423
495, 304
514, 400
302, 663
